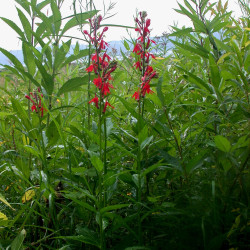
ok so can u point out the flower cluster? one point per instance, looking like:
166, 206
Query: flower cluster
36, 100
101, 65
142, 50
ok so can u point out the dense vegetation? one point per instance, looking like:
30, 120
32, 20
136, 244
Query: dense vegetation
146, 148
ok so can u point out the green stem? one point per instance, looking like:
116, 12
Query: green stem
105, 158
139, 191
176, 142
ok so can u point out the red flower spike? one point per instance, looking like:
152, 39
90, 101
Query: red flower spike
142, 49
100, 62
37, 102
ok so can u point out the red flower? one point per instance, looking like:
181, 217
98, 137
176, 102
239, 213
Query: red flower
105, 88
94, 58
146, 89
95, 100
90, 68
105, 106
98, 82
137, 65
137, 49
37, 102
136, 95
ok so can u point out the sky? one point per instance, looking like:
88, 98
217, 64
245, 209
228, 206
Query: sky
161, 13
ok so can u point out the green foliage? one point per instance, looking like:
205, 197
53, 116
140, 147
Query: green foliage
188, 153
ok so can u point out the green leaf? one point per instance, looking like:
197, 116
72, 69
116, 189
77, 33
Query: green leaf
222, 143
77, 19
14, 27
47, 82
12, 58
152, 168
236, 48
215, 73
97, 163
21, 113
81, 203
89, 237
113, 207
202, 53
61, 55
56, 14
190, 7
159, 91
41, 5
73, 85
128, 106
126, 45
81, 54
52, 131
146, 142
198, 24
24, 4
26, 24
196, 80
29, 59
33, 151
17, 243
181, 32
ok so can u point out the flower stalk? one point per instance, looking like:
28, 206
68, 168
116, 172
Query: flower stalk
147, 73
102, 66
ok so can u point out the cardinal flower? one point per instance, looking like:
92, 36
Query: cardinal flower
105, 106
95, 100
36, 100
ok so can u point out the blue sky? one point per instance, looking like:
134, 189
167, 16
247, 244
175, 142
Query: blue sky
161, 13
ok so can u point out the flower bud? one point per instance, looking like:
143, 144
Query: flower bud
148, 22
105, 29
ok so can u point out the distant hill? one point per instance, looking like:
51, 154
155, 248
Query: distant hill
117, 45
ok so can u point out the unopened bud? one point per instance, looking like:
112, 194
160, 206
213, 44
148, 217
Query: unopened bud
148, 22
105, 29
85, 32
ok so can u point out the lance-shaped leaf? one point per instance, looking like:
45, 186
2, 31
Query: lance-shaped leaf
61, 55
77, 19
45, 48
198, 24
17, 243
25, 4
26, 25
56, 17
196, 80
97, 163
29, 59
21, 113
48, 82
73, 85
73, 58
12, 58
113, 207
215, 73
181, 32
203, 53
13, 26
